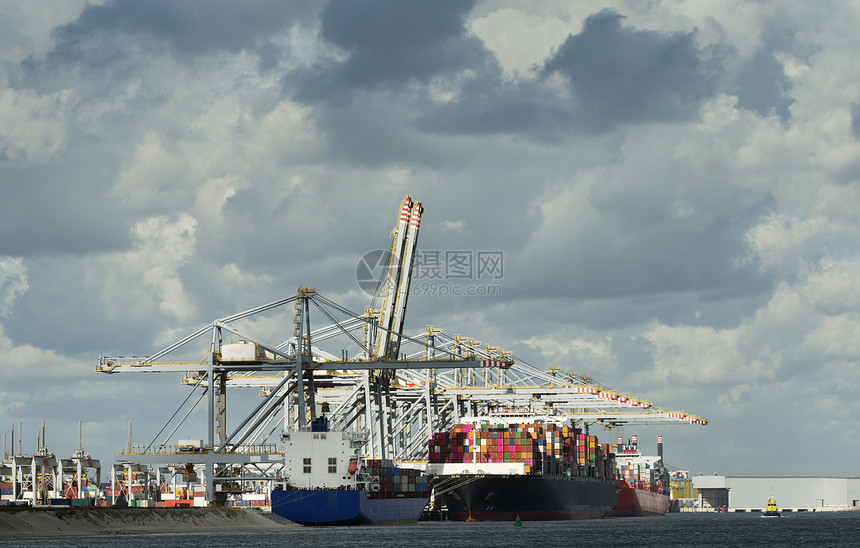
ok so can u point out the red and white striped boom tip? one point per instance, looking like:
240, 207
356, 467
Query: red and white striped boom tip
496, 363
405, 209
415, 220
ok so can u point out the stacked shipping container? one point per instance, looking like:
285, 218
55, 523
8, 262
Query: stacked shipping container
639, 475
541, 448
5, 490
386, 479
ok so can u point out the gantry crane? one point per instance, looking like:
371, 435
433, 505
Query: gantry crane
398, 397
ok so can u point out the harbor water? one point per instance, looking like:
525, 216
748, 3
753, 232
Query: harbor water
732, 529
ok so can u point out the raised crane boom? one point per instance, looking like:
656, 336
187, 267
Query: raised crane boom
403, 286
392, 282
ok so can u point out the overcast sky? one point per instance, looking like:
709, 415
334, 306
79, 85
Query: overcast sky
674, 188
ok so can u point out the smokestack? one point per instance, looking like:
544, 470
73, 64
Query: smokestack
44, 443
80, 446
20, 437
128, 449
660, 447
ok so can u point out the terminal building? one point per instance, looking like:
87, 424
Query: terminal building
792, 493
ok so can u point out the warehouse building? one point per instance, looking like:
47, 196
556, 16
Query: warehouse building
792, 493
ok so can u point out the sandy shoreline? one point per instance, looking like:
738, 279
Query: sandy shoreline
69, 522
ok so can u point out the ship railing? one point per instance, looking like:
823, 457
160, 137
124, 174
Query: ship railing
359, 436
255, 449
246, 449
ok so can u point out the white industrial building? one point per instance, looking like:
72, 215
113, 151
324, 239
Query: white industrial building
792, 493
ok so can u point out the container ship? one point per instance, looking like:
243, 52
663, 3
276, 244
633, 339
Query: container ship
327, 482
642, 481
505, 466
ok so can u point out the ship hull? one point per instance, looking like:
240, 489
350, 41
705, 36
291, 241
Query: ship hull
346, 507
532, 498
638, 502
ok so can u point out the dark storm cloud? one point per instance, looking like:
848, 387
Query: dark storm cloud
57, 288
662, 260
621, 76
491, 106
57, 209
616, 76
855, 120
104, 34
372, 133
639, 249
762, 85
390, 42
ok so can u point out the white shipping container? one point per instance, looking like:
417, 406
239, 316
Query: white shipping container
242, 351
200, 501
189, 444
254, 496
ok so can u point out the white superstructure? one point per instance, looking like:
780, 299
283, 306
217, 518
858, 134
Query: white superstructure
322, 459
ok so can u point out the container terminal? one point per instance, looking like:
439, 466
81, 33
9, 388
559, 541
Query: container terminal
359, 371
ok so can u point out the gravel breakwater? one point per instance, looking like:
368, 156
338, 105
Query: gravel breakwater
48, 522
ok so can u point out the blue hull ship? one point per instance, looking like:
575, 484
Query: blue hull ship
327, 482
346, 507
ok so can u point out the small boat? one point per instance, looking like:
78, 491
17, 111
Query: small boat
772, 511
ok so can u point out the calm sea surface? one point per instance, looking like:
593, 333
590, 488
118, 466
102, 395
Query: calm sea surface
820, 529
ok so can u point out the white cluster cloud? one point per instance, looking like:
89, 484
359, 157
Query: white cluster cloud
146, 279
34, 128
13, 283
593, 354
